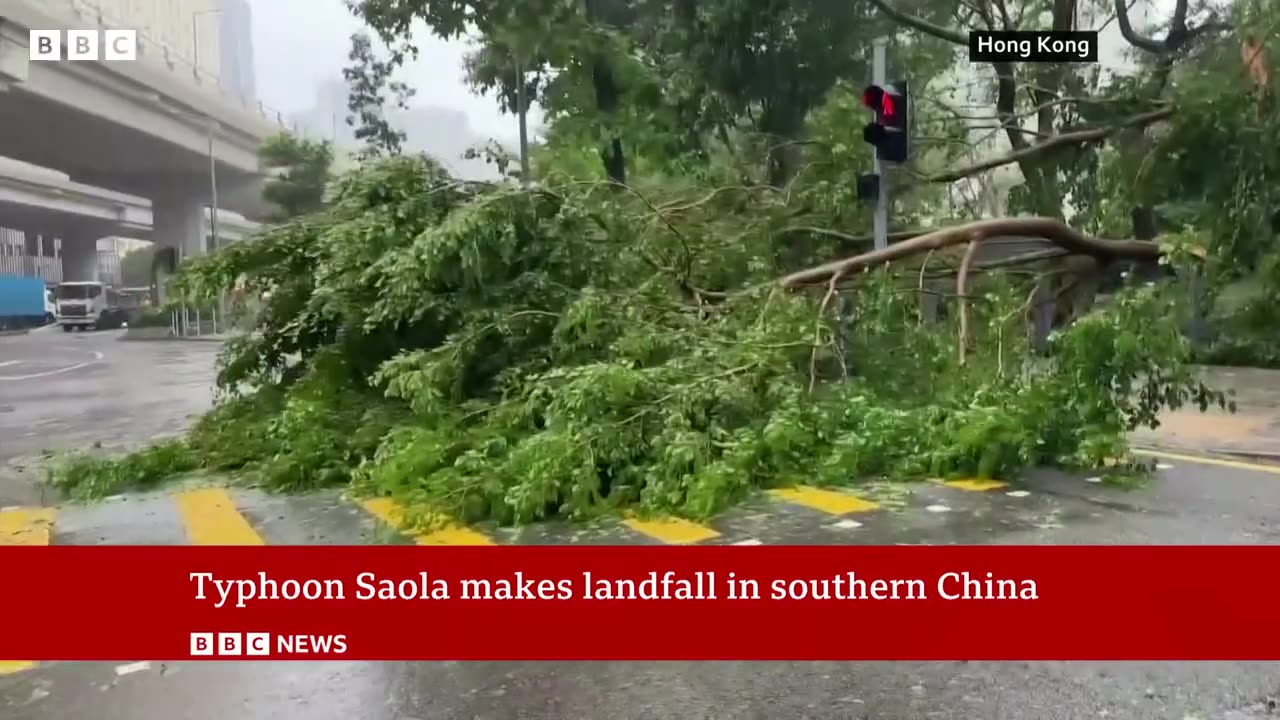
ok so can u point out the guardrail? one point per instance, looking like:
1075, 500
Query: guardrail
158, 54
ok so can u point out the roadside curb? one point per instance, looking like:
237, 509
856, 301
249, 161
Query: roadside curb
1260, 458
171, 338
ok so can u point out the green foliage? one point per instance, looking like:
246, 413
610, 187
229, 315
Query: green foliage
302, 172
136, 267
152, 317
519, 354
86, 477
369, 78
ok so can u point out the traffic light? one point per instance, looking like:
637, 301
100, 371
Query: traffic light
891, 131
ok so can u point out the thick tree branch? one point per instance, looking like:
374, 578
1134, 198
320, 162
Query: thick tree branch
1177, 26
1006, 104
1126, 29
1027, 152
1178, 37
921, 24
1050, 229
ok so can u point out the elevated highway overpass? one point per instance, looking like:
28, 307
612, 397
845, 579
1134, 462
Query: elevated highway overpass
146, 128
43, 202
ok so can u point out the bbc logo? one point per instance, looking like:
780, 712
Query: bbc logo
226, 644
84, 45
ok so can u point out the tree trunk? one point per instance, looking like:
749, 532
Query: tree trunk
782, 123
615, 162
522, 111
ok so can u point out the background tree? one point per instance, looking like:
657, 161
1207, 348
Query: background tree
136, 267
301, 172
370, 89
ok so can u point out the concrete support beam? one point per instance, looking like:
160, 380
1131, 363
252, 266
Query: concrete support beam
177, 221
244, 196
32, 244
80, 258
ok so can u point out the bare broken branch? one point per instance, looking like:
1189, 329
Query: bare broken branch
1076, 137
1050, 229
921, 24
962, 289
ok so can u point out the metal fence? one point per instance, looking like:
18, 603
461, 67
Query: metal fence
15, 260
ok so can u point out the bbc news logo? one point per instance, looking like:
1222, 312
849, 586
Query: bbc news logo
259, 644
110, 45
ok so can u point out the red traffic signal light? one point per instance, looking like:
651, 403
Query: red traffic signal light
889, 134
889, 106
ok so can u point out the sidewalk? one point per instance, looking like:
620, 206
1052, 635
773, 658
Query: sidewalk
1252, 431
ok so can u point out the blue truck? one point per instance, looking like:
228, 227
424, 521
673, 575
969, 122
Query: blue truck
24, 303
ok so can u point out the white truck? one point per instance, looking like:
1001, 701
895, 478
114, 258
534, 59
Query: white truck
88, 305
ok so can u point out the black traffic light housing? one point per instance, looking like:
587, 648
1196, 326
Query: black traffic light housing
890, 133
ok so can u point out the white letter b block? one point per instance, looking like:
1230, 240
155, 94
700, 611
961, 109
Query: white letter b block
201, 643
229, 643
120, 45
82, 44
46, 45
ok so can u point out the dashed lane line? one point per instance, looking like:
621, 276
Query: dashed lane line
210, 517
831, 502
391, 513
672, 531
26, 526
975, 484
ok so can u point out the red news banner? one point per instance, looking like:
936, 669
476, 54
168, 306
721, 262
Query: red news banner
641, 603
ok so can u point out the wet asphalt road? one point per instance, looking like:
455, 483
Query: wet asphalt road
66, 391
137, 391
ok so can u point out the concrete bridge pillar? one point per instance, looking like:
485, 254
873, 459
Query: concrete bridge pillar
177, 221
33, 246
79, 258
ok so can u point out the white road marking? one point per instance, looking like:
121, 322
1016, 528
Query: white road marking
97, 356
1163, 466
7, 363
1018, 493
1094, 479
749, 541
938, 509
846, 525
132, 668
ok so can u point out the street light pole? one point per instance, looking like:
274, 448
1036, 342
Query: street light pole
213, 189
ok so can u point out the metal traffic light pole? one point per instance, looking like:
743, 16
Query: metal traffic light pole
880, 228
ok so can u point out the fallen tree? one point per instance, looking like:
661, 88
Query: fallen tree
520, 353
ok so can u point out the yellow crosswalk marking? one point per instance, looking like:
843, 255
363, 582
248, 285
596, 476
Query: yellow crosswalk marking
211, 518
26, 526
831, 502
672, 531
975, 484
390, 512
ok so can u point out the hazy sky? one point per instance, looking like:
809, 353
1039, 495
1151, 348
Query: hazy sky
298, 44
